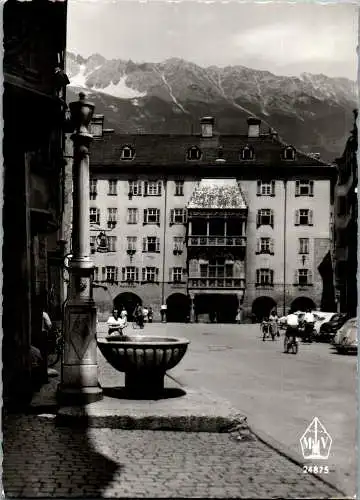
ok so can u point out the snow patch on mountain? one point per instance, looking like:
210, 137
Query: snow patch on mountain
121, 90
79, 79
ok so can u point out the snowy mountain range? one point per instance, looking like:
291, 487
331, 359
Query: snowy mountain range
312, 112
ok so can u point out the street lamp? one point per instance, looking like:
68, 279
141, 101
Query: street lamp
79, 374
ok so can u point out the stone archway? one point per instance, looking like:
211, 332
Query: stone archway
128, 300
262, 306
178, 308
302, 304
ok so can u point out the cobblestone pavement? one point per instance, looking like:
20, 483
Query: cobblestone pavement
42, 460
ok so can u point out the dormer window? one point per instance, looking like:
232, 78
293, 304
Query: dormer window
289, 153
127, 153
247, 153
194, 153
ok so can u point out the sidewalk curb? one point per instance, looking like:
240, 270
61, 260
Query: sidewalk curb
294, 457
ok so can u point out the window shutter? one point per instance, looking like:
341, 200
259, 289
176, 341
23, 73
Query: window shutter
311, 188
123, 271
297, 217
184, 215
158, 216
139, 187
272, 188
309, 277
310, 217
145, 188
104, 273
272, 276
158, 244
258, 218
258, 245
271, 245
136, 274
272, 218
258, 192
130, 187
171, 277
145, 216
156, 274
172, 212
296, 276
144, 245
159, 185
297, 188
257, 275
143, 272
184, 271
116, 274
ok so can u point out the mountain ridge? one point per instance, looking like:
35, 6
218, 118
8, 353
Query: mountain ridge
313, 112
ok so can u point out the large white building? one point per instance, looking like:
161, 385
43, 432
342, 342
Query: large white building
208, 222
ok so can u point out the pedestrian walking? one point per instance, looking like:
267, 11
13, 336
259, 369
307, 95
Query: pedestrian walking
238, 316
145, 312
163, 310
274, 321
139, 316
150, 315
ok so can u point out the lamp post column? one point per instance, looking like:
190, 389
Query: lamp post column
79, 374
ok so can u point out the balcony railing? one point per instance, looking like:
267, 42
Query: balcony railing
216, 283
220, 241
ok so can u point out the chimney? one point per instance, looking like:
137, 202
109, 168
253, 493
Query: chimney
97, 126
207, 126
253, 126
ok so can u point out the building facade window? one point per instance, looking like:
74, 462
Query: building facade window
150, 274
265, 188
96, 274
112, 243
152, 216
178, 244
177, 274
151, 244
289, 153
130, 273
177, 216
303, 277
131, 243
111, 274
112, 217
135, 188
265, 217
132, 216
93, 189
247, 153
193, 153
216, 268
304, 188
152, 188
127, 153
304, 217
265, 245
93, 244
179, 188
264, 277
303, 246
94, 216
112, 187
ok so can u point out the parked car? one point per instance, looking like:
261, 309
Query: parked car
328, 329
347, 341
321, 318
340, 334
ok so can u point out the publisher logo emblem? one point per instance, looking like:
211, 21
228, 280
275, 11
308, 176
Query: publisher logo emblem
316, 442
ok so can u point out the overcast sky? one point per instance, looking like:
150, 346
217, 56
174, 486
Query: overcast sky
286, 39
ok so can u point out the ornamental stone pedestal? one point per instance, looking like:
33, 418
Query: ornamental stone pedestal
79, 373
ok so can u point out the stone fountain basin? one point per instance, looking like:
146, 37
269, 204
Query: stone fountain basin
143, 358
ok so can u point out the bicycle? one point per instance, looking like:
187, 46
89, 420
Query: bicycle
55, 347
267, 331
291, 343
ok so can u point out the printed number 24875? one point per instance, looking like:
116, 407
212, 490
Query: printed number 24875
316, 469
